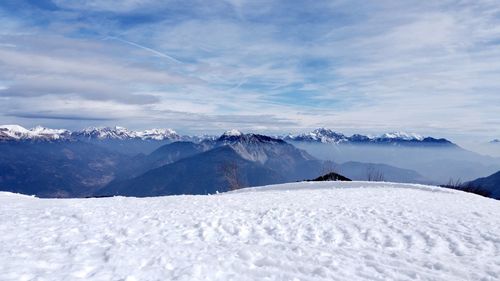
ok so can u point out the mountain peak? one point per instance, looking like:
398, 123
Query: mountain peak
325, 135
158, 134
14, 127
17, 132
402, 136
106, 133
123, 133
235, 136
232, 133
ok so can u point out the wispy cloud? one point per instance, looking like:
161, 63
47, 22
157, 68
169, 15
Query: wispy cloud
429, 67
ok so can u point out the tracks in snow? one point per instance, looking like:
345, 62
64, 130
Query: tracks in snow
381, 233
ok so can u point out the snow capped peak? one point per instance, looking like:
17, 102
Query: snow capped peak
323, 135
402, 136
46, 131
495, 141
14, 128
17, 132
14, 132
234, 137
158, 134
106, 133
232, 133
123, 133
323, 131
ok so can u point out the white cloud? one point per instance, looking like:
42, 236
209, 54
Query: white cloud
430, 67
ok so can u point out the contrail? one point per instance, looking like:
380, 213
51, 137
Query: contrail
145, 48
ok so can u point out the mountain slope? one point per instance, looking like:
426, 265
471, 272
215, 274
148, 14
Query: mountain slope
57, 169
18, 133
301, 231
200, 174
173, 152
490, 184
292, 163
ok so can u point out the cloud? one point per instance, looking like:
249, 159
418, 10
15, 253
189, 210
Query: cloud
429, 67
56, 116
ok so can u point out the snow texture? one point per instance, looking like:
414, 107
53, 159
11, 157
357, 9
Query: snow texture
233, 133
17, 132
300, 231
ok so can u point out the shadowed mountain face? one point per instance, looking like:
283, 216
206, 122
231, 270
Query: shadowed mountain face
200, 168
490, 184
200, 174
60, 169
173, 152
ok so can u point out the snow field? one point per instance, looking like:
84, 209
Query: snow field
301, 231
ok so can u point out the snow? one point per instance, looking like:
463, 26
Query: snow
49, 133
157, 134
14, 131
20, 133
232, 133
299, 231
403, 136
328, 136
124, 133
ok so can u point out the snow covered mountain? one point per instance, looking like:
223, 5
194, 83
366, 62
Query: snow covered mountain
495, 141
19, 133
323, 135
299, 231
259, 148
121, 133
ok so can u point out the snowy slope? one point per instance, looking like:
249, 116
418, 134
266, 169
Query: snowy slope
301, 231
16, 132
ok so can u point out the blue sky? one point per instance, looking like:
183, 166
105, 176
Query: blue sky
429, 67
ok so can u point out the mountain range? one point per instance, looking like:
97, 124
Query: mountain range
323, 135
440, 160
117, 161
39, 133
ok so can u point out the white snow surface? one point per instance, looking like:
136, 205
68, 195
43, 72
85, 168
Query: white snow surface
402, 135
232, 133
20, 133
299, 231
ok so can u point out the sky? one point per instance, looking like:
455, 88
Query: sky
429, 67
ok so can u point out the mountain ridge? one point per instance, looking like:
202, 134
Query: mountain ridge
324, 135
320, 135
